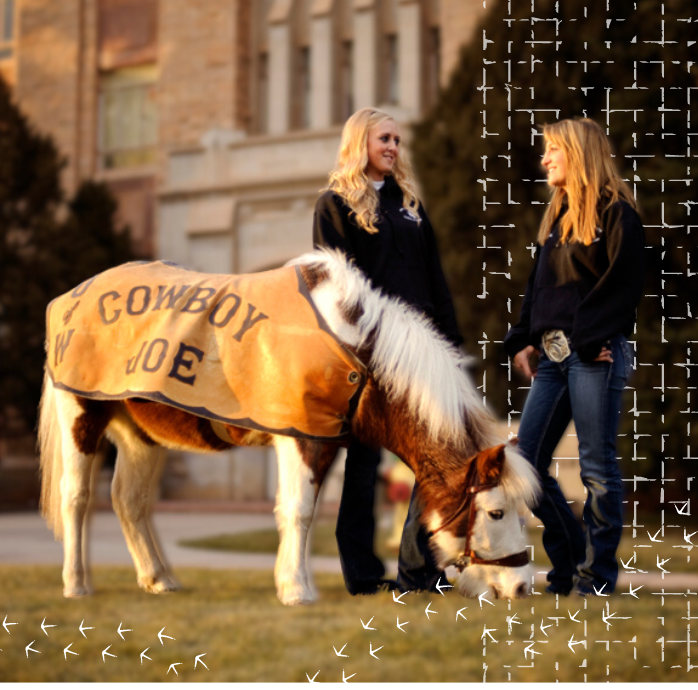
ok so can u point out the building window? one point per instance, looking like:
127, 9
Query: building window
392, 76
346, 80
262, 93
433, 66
128, 117
7, 28
301, 92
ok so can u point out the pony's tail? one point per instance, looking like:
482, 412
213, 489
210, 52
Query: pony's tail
51, 454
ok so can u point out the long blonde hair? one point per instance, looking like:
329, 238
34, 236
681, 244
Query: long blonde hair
591, 176
349, 178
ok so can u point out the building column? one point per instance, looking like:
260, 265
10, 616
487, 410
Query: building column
279, 115
458, 21
410, 57
365, 62
321, 64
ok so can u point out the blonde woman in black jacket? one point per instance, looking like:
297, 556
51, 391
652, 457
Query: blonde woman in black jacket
578, 313
371, 213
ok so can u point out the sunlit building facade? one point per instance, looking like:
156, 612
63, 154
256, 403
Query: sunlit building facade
215, 123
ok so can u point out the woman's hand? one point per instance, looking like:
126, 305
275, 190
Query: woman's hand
604, 356
522, 361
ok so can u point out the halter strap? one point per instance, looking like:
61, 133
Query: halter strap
469, 557
473, 487
515, 560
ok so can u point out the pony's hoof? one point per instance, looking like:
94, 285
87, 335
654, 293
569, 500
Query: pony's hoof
158, 585
297, 601
296, 597
74, 592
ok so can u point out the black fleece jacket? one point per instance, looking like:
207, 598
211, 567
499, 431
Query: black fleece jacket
401, 259
590, 292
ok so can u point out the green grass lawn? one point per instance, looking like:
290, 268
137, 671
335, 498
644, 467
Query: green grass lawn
637, 550
235, 619
323, 542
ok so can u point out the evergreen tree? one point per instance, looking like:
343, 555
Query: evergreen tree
46, 247
626, 65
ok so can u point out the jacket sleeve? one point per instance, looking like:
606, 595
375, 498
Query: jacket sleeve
519, 335
330, 225
444, 313
613, 301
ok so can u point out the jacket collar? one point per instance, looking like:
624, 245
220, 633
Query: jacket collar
391, 188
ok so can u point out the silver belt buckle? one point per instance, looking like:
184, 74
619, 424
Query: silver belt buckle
556, 345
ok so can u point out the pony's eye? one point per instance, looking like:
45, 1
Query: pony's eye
496, 514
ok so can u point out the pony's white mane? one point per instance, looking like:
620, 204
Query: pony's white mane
409, 358
519, 480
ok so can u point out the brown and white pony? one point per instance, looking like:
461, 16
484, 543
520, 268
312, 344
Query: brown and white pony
418, 402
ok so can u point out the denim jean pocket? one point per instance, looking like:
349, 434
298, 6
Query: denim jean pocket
620, 369
628, 356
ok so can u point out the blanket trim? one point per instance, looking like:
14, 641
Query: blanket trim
244, 423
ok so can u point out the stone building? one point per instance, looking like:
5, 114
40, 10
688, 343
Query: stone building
215, 123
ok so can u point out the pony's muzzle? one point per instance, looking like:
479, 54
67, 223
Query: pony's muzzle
501, 583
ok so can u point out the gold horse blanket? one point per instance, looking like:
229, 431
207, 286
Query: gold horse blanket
248, 350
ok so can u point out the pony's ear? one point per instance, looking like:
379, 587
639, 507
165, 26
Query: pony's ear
489, 464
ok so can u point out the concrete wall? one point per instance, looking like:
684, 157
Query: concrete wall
198, 61
52, 87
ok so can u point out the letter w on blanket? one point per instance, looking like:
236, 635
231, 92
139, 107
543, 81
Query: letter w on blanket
249, 350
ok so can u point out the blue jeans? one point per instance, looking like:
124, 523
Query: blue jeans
590, 394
